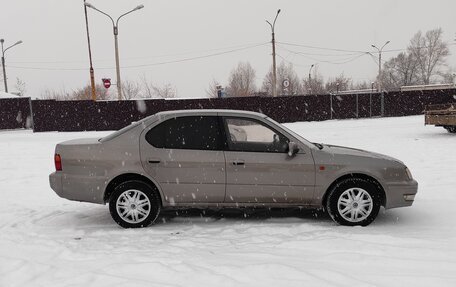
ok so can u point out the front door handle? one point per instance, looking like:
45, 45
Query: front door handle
238, 162
153, 160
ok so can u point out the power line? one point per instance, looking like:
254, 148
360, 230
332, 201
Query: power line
196, 58
353, 51
146, 65
340, 62
142, 58
320, 48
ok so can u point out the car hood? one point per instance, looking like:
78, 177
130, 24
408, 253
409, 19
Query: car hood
341, 150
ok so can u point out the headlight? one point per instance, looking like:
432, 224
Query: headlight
409, 174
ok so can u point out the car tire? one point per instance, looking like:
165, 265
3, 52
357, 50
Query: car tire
354, 201
450, 129
134, 204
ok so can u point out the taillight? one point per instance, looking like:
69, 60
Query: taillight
58, 162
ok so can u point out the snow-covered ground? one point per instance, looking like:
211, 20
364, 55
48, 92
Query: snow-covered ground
49, 241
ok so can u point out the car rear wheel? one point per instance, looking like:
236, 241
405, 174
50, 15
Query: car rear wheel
450, 129
354, 202
134, 204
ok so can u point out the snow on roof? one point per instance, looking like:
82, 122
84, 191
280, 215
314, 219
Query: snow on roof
4, 95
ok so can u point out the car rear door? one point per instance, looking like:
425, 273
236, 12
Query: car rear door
185, 156
259, 170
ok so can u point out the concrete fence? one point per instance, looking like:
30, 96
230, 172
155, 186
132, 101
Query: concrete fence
51, 115
15, 114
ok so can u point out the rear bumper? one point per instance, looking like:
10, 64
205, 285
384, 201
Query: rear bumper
401, 194
55, 180
78, 188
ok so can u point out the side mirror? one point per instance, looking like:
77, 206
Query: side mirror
292, 148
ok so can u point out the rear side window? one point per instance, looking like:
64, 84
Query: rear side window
196, 132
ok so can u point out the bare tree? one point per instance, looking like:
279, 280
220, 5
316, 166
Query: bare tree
314, 86
62, 95
85, 93
131, 90
212, 90
21, 87
284, 72
167, 91
340, 83
241, 82
449, 77
364, 85
149, 90
401, 70
430, 53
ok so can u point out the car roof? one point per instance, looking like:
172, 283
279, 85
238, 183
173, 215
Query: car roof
180, 113
209, 111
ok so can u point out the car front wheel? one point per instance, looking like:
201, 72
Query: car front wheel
354, 202
134, 204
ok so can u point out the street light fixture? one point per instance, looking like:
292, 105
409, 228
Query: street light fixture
3, 61
115, 25
380, 64
274, 71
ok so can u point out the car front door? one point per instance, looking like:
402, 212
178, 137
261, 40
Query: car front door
258, 167
185, 156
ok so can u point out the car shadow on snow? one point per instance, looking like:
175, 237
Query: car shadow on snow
385, 218
244, 214
95, 218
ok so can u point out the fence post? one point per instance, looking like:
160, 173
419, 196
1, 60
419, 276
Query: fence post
331, 105
382, 104
370, 105
357, 107
32, 124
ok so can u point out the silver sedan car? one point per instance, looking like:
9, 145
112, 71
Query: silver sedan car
221, 158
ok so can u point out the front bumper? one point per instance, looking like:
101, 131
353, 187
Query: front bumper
400, 194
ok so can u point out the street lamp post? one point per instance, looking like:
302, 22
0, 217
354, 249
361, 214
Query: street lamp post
274, 71
379, 86
3, 61
115, 25
310, 71
92, 73
310, 78
370, 99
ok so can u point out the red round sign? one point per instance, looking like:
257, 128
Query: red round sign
106, 83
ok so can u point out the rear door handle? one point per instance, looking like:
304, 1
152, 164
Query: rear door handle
238, 162
153, 160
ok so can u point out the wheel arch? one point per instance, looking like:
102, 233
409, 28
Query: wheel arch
127, 177
359, 176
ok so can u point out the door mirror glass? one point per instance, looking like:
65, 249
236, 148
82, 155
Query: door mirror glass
293, 148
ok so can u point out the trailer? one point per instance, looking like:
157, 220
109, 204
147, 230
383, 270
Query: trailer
441, 116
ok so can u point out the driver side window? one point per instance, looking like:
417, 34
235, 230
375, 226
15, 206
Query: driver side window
253, 136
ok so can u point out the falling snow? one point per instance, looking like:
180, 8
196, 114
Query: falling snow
49, 241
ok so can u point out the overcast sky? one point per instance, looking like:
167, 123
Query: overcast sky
54, 53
